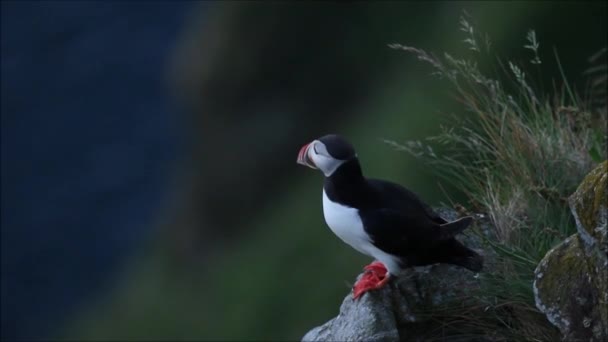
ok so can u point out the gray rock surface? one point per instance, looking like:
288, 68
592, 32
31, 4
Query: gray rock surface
571, 282
569, 288
363, 320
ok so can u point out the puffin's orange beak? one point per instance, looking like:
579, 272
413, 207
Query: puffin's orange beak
304, 159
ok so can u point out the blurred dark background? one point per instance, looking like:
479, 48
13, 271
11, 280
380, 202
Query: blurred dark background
149, 185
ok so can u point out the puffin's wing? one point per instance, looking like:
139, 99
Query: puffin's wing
394, 231
432, 214
402, 199
451, 229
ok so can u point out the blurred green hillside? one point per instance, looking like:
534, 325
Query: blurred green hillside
243, 251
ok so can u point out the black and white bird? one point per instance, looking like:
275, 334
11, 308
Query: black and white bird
382, 219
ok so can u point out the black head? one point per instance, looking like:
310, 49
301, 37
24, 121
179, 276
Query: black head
338, 147
326, 153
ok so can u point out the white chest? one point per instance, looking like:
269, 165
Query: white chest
346, 224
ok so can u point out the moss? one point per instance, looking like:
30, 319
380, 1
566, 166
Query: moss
571, 289
589, 205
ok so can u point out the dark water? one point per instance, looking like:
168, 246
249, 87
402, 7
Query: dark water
88, 137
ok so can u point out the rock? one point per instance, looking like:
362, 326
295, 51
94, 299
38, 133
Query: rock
589, 205
399, 310
571, 282
570, 287
362, 320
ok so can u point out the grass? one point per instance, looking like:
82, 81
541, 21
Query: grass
517, 154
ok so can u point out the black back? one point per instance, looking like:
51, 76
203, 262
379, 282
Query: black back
349, 187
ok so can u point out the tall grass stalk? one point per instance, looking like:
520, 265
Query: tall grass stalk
517, 154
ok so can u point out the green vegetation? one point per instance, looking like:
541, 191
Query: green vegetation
517, 154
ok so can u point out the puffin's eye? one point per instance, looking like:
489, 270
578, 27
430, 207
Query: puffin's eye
320, 150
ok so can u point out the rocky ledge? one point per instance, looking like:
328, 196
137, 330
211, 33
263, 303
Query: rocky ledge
401, 310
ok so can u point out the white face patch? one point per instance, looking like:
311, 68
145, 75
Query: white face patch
319, 155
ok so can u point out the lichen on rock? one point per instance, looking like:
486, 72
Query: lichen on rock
570, 288
589, 205
571, 282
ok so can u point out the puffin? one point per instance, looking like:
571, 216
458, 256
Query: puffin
382, 219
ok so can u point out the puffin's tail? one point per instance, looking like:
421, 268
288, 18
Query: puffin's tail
451, 229
463, 256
